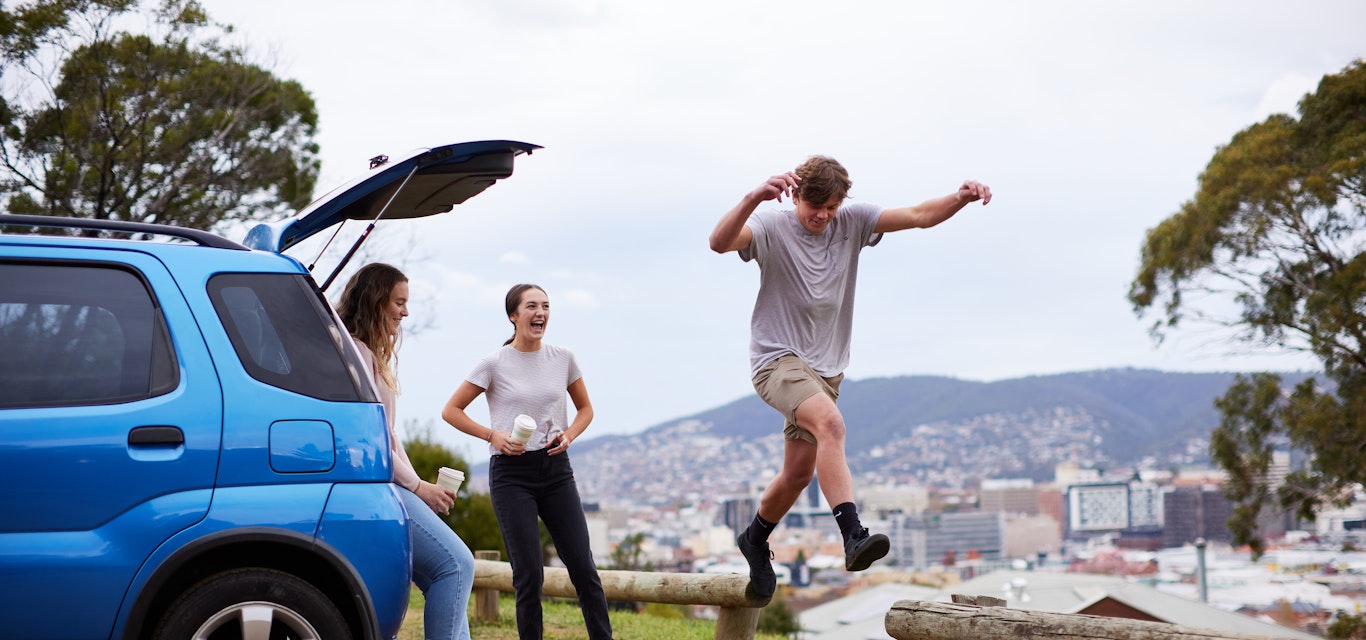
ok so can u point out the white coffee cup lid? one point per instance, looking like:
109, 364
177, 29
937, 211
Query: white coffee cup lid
447, 471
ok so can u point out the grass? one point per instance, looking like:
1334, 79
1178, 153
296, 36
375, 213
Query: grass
564, 622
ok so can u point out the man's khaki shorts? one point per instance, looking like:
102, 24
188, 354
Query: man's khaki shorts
787, 382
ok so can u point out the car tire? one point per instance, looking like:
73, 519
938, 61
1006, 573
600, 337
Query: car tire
252, 604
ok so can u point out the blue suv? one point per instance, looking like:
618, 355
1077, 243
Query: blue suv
189, 444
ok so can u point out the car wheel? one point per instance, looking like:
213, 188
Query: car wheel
253, 604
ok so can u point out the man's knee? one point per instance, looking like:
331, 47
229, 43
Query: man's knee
819, 415
826, 426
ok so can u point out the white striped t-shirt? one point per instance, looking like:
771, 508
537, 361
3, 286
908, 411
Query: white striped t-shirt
534, 383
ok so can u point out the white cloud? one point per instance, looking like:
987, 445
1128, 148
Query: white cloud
581, 298
541, 14
1091, 121
452, 278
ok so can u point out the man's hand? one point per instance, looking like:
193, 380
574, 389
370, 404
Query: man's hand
776, 187
972, 191
933, 211
730, 233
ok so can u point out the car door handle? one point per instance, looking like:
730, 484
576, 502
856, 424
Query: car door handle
156, 435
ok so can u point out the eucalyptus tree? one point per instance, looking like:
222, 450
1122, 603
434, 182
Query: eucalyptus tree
168, 122
1277, 227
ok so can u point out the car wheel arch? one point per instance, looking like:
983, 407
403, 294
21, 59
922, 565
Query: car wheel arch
296, 553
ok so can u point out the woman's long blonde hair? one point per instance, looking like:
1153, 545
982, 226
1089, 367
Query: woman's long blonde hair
362, 307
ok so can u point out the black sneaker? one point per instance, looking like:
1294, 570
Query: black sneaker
862, 550
760, 559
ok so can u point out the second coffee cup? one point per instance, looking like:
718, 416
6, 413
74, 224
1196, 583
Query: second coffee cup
522, 428
450, 478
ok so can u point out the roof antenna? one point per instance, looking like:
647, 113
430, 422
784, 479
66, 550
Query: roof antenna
371, 227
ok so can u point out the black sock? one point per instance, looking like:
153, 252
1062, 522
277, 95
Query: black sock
846, 516
758, 530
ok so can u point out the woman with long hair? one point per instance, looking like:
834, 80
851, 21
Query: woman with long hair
373, 305
531, 480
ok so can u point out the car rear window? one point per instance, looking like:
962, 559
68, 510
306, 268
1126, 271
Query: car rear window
286, 336
86, 334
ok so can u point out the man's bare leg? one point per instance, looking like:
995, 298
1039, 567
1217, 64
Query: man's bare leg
799, 463
819, 415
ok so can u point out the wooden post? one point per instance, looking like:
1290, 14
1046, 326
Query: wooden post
739, 611
637, 586
916, 620
736, 623
486, 599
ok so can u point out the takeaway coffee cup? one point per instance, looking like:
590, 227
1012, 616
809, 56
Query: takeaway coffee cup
450, 478
522, 428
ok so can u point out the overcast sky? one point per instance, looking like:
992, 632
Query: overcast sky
1090, 121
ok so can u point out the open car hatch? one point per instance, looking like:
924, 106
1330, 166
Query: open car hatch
424, 183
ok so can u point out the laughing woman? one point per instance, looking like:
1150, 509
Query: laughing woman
528, 376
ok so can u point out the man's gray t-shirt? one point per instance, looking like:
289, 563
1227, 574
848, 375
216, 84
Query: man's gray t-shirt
805, 304
535, 383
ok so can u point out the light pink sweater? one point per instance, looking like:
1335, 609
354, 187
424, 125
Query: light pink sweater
404, 474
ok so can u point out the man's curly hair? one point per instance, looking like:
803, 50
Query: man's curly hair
822, 179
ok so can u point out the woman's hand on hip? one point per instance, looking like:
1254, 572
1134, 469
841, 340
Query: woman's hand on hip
559, 444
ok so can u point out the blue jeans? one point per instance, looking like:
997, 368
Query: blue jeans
443, 569
538, 484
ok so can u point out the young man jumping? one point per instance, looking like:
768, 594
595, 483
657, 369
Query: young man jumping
800, 331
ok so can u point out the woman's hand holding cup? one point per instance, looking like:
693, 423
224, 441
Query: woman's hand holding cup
503, 443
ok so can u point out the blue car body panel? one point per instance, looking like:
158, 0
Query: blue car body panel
350, 525
215, 447
88, 515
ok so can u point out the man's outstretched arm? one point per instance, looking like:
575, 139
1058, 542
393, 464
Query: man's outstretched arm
731, 233
933, 211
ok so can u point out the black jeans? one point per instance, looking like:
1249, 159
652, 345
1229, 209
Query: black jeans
538, 484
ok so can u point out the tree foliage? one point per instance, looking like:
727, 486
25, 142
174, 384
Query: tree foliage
472, 519
777, 618
1347, 626
428, 455
1277, 227
174, 126
629, 555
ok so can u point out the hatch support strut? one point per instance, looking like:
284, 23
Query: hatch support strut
371, 227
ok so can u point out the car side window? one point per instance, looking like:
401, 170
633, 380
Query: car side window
80, 334
286, 337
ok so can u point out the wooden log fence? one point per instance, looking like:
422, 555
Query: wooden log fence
987, 619
737, 620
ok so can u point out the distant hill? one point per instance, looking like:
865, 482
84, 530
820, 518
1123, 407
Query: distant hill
930, 428
1144, 408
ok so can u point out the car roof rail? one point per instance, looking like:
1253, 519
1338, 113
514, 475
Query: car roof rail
199, 236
